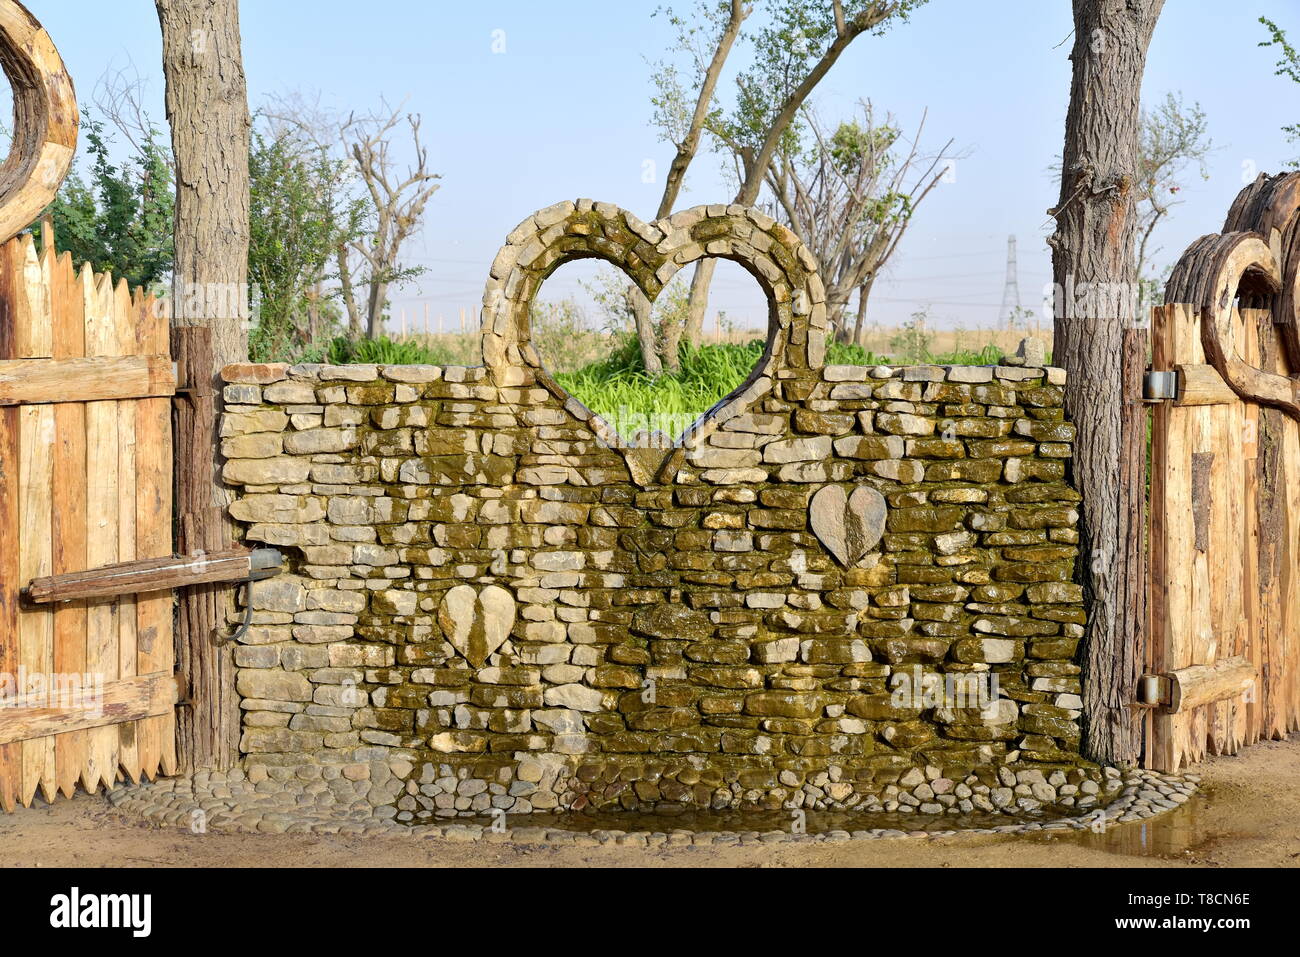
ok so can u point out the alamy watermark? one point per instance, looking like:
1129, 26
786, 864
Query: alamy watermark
1127, 301
210, 300
921, 690
63, 691
651, 430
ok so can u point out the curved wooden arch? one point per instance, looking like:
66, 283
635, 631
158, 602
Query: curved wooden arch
45, 119
1254, 261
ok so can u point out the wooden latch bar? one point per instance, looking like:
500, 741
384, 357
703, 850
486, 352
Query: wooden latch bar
1187, 384
157, 574
80, 707
1189, 688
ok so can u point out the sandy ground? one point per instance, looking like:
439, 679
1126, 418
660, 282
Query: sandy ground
1250, 816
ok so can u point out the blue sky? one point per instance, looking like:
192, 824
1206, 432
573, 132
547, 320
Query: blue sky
563, 112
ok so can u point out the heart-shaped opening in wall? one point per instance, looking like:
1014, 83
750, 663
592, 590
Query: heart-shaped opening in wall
610, 348
651, 257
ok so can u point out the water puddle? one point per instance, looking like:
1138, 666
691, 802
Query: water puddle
740, 822
1171, 834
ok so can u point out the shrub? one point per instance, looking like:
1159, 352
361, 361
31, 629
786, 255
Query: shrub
383, 351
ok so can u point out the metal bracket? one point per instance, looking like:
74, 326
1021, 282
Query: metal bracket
1160, 385
263, 563
1155, 691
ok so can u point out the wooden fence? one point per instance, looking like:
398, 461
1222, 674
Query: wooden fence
85, 481
1224, 633
1225, 542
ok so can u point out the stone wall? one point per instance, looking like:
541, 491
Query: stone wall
510, 613
499, 603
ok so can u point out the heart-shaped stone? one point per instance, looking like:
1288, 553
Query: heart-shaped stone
848, 524
477, 623
651, 254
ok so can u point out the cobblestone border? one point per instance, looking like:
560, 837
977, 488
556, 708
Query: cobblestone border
234, 803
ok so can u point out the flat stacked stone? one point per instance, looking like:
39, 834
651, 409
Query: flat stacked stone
691, 642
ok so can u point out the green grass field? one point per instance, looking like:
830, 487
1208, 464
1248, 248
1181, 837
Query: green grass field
619, 389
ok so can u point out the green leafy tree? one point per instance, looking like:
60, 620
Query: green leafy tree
1288, 65
913, 342
300, 212
793, 50
850, 193
1171, 138
118, 217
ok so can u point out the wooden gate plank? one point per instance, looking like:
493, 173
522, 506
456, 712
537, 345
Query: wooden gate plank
125, 336
1268, 518
1158, 751
154, 613
10, 754
35, 543
36, 555
102, 499
70, 515
1285, 642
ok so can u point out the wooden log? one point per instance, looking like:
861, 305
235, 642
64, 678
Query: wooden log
1202, 385
45, 119
126, 699
153, 575
1197, 685
207, 732
88, 379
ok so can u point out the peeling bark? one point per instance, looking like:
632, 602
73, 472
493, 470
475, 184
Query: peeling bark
1094, 243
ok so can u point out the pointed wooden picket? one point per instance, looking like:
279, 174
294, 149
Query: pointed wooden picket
85, 481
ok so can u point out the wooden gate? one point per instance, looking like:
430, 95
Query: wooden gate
85, 481
1223, 648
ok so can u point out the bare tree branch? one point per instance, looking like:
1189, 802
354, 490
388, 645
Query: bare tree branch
399, 198
850, 196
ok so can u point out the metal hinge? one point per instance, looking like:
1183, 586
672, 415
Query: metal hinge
1154, 691
1160, 385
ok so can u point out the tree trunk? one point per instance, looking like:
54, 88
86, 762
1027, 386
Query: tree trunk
698, 304
375, 309
314, 319
686, 150
1093, 243
207, 107
642, 316
348, 293
859, 325
757, 164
